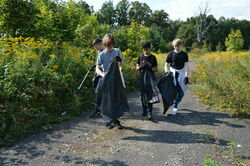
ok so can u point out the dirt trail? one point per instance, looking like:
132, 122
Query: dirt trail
181, 140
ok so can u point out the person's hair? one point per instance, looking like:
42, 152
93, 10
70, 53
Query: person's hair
97, 41
176, 42
108, 40
145, 44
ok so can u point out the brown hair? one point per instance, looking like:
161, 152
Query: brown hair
97, 41
108, 40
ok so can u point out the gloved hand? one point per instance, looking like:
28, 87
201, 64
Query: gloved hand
118, 59
186, 80
93, 68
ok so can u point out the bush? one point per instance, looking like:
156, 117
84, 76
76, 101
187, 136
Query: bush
222, 80
234, 41
38, 82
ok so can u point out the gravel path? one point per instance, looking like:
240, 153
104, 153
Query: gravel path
181, 140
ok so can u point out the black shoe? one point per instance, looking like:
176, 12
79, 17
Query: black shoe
109, 126
95, 115
118, 125
150, 117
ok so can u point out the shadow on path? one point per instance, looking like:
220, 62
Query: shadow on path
174, 137
66, 160
187, 117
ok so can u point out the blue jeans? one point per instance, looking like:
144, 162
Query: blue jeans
180, 93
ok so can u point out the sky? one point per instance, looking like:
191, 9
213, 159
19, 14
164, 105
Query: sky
182, 9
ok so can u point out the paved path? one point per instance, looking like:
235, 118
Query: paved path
181, 140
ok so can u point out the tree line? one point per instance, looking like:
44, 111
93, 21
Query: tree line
77, 22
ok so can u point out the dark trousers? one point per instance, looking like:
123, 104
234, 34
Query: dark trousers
146, 94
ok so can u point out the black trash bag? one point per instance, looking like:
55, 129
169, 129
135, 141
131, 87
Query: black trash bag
167, 90
113, 96
148, 87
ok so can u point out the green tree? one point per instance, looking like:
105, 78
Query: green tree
17, 17
157, 40
140, 13
88, 9
210, 35
137, 34
58, 21
107, 13
88, 29
234, 41
244, 26
130, 37
122, 12
186, 33
160, 18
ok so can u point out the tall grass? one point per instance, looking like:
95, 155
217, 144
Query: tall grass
223, 81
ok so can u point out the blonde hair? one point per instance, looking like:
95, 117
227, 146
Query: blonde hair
108, 40
176, 42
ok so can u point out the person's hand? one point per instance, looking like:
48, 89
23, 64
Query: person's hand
93, 68
142, 66
102, 75
186, 80
118, 59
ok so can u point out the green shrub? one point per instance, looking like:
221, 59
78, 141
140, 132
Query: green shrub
234, 41
39, 82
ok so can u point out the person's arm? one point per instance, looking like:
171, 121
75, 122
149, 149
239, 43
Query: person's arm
167, 67
155, 69
154, 65
98, 68
120, 59
137, 67
186, 66
99, 71
168, 63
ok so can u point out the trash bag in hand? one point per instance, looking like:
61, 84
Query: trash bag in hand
167, 90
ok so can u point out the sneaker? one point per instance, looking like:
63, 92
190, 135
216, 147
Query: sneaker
150, 117
118, 125
154, 100
174, 112
109, 126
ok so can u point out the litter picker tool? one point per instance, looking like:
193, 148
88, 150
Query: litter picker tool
91, 69
83, 80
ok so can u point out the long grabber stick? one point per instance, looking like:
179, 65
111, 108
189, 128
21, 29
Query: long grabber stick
83, 80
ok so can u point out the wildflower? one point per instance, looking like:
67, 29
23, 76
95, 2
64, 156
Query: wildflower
52, 56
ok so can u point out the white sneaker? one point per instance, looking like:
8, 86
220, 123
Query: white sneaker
174, 112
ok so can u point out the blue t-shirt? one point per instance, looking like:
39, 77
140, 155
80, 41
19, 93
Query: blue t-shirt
105, 57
